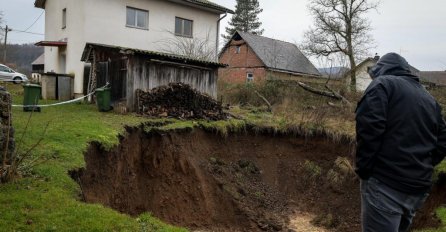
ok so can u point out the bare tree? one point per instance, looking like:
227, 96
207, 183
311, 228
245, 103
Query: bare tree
340, 26
194, 48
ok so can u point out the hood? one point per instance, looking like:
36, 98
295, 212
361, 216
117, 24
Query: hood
391, 64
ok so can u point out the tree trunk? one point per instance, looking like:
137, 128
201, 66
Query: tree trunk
353, 73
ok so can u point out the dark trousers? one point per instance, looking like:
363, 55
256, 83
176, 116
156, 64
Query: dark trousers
384, 209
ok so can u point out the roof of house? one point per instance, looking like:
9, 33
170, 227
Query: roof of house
436, 77
40, 60
197, 3
86, 55
277, 55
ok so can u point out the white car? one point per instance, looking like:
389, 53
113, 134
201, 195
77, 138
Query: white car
7, 74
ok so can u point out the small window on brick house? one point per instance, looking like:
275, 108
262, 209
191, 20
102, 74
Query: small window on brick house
64, 18
237, 49
249, 77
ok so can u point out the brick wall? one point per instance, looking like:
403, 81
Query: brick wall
246, 61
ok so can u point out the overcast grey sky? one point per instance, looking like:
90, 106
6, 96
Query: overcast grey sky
414, 28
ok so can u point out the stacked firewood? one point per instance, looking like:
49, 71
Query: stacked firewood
178, 100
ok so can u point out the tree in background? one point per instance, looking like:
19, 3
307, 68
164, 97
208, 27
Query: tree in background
340, 27
245, 19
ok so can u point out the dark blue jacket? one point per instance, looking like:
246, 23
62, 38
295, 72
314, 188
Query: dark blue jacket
401, 134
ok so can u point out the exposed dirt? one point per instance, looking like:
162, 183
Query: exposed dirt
244, 182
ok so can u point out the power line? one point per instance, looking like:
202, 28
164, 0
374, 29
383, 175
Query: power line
34, 33
35, 21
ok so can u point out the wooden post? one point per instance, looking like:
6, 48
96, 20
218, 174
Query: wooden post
7, 29
92, 82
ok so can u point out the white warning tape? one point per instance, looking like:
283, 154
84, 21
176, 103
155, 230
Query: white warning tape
61, 103
15, 81
57, 104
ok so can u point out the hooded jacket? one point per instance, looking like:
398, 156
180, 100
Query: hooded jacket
401, 134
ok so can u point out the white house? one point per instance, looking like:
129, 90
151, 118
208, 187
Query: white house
137, 24
363, 78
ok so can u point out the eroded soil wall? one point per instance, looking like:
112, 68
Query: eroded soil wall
241, 182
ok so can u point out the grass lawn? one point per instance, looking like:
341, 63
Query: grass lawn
46, 198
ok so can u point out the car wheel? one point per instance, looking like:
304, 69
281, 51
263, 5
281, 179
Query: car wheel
17, 80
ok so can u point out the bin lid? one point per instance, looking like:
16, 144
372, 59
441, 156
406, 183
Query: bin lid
102, 89
32, 86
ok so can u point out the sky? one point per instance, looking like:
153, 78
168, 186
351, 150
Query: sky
416, 29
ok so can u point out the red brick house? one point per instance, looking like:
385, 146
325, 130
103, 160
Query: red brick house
253, 58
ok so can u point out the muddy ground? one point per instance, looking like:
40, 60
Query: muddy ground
243, 182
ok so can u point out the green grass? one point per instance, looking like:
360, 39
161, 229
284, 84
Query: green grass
47, 199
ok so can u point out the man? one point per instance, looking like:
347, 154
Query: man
401, 136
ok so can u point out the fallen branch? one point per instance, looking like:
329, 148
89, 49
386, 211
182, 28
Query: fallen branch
338, 95
270, 108
319, 92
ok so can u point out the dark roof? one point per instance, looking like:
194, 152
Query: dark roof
197, 3
278, 55
435, 77
206, 4
86, 55
51, 43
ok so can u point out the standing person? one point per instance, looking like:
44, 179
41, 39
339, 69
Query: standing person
401, 136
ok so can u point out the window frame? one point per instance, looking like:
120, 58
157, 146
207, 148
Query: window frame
238, 48
182, 34
64, 18
136, 10
248, 78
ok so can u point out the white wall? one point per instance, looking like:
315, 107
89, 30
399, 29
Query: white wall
363, 78
73, 34
104, 22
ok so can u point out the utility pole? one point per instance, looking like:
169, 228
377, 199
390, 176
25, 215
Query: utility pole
7, 29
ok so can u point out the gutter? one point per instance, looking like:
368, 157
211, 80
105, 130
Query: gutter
218, 35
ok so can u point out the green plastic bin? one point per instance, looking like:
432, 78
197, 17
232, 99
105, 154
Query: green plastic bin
32, 94
103, 99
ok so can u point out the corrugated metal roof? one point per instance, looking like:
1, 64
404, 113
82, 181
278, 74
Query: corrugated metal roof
202, 3
124, 50
279, 55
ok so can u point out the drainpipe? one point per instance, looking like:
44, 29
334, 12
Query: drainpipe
218, 35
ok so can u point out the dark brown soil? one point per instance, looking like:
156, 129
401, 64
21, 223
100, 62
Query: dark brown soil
243, 182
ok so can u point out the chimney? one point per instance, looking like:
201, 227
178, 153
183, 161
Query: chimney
376, 57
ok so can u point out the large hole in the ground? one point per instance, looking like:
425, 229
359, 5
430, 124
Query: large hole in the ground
242, 182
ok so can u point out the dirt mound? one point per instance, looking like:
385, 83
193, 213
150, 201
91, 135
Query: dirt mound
179, 100
244, 182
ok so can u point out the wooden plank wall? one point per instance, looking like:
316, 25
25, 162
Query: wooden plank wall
145, 75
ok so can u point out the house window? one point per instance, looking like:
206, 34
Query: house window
249, 77
137, 18
237, 49
183, 27
64, 18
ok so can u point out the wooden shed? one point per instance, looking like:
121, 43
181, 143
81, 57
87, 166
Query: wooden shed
128, 69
